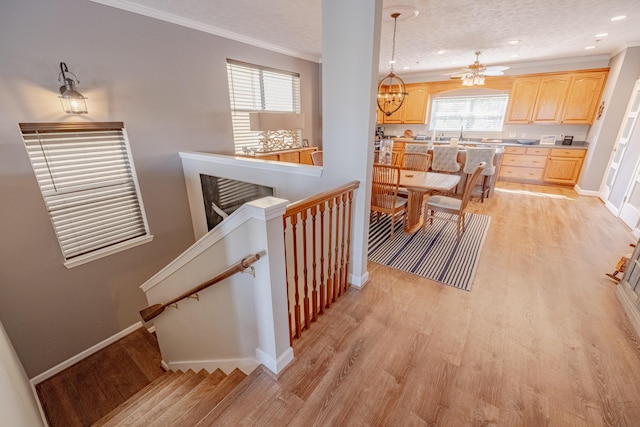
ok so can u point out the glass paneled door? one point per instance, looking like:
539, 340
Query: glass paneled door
628, 123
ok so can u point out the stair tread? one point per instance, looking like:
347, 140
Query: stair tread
169, 401
150, 399
158, 382
190, 400
203, 401
259, 386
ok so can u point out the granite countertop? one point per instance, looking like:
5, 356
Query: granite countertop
577, 145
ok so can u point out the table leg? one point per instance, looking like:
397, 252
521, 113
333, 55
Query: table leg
414, 209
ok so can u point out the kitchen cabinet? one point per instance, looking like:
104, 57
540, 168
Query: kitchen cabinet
413, 109
294, 155
537, 99
564, 166
583, 97
523, 164
570, 98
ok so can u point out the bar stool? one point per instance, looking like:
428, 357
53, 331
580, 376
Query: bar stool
445, 159
476, 155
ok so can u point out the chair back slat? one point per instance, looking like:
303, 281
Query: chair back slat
416, 161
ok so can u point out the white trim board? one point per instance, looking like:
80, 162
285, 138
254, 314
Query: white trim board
83, 355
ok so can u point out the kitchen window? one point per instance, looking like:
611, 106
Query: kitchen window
253, 88
471, 113
88, 182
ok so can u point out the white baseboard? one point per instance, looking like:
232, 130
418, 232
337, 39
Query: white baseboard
246, 365
582, 192
83, 355
613, 209
359, 281
275, 366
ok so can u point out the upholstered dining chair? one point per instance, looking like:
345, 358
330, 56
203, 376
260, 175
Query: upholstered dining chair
445, 159
316, 158
477, 155
450, 205
384, 193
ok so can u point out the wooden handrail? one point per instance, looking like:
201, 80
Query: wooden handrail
307, 203
154, 310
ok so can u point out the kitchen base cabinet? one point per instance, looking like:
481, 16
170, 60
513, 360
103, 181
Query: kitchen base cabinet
564, 166
542, 165
524, 164
294, 155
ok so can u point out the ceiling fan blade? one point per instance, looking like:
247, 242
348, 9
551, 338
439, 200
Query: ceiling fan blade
496, 68
493, 73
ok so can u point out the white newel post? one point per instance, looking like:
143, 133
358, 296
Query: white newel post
274, 350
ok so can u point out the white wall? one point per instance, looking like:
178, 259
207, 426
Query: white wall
18, 407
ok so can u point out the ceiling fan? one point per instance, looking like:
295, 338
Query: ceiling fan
475, 73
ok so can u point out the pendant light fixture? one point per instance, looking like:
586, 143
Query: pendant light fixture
391, 89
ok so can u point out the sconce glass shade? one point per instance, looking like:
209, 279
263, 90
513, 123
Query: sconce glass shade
72, 101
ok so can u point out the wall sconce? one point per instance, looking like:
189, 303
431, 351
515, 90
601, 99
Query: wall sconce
278, 129
72, 101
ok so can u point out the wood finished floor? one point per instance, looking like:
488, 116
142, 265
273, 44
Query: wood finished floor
540, 340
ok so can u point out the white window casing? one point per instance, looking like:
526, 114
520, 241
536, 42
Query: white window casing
481, 112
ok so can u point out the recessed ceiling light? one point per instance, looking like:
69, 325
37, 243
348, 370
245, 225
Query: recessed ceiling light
392, 62
513, 41
618, 18
440, 52
406, 68
515, 55
602, 35
589, 47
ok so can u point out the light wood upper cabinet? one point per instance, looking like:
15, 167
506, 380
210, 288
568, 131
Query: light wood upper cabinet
415, 105
413, 109
583, 97
522, 100
550, 99
570, 98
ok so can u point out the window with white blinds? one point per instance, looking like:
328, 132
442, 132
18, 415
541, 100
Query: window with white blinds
87, 179
471, 113
253, 88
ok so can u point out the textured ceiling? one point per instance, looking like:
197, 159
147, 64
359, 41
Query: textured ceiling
546, 29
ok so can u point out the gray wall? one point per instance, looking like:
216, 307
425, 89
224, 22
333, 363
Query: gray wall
169, 85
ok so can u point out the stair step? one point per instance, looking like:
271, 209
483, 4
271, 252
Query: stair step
169, 401
149, 400
199, 403
189, 400
158, 382
258, 387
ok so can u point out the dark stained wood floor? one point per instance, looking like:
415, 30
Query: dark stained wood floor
88, 390
540, 339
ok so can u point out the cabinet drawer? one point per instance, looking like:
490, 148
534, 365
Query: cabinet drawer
533, 174
563, 152
538, 151
526, 161
515, 150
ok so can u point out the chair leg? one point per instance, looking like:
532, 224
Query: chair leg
393, 217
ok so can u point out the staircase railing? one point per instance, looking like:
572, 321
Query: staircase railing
154, 310
317, 233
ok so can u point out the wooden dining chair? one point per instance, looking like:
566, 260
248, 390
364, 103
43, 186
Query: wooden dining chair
454, 206
416, 161
384, 193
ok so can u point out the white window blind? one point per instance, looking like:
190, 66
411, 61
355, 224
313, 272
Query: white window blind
87, 178
472, 113
253, 88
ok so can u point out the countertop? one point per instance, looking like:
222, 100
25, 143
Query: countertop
577, 145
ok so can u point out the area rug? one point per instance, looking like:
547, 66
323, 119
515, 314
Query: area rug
434, 252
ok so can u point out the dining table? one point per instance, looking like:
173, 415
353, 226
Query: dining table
418, 185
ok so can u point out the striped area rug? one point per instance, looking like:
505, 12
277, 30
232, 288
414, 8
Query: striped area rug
434, 253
